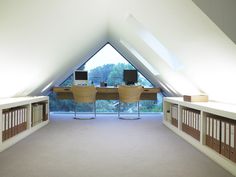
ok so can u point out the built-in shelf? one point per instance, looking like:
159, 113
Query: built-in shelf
208, 126
21, 116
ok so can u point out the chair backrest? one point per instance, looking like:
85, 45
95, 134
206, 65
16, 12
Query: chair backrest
129, 94
85, 94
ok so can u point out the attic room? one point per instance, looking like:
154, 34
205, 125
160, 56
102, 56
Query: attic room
117, 88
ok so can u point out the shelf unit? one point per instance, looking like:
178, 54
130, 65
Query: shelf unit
21, 116
39, 112
196, 131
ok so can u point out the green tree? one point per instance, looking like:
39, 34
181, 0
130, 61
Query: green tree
116, 76
143, 81
100, 74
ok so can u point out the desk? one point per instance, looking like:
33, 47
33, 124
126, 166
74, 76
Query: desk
106, 93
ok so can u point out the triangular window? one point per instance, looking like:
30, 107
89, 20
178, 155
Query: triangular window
105, 66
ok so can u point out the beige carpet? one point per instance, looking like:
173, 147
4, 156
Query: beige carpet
106, 147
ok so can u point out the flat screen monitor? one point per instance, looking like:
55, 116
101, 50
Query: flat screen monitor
80, 77
130, 77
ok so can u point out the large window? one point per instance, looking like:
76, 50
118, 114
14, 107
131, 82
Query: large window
106, 66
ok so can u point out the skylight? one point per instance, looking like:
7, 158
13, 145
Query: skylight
139, 57
154, 44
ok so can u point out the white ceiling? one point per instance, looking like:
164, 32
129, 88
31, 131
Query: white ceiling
42, 41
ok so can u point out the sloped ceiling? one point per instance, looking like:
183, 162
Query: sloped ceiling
222, 13
42, 41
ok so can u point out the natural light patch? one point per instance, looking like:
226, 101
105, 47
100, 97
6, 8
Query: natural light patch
16, 85
107, 55
139, 57
165, 88
155, 44
182, 85
47, 87
218, 74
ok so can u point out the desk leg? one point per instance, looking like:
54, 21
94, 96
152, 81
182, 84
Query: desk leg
75, 110
119, 109
138, 110
94, 108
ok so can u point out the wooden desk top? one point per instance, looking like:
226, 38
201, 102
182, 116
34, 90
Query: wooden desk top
106, 93
103, 90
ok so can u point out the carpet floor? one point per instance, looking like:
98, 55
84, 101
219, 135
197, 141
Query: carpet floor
106, 147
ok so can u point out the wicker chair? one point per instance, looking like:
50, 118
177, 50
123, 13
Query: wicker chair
129, 94
84, 94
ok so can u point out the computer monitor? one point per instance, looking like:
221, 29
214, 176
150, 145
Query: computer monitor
130, 77
80, 77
